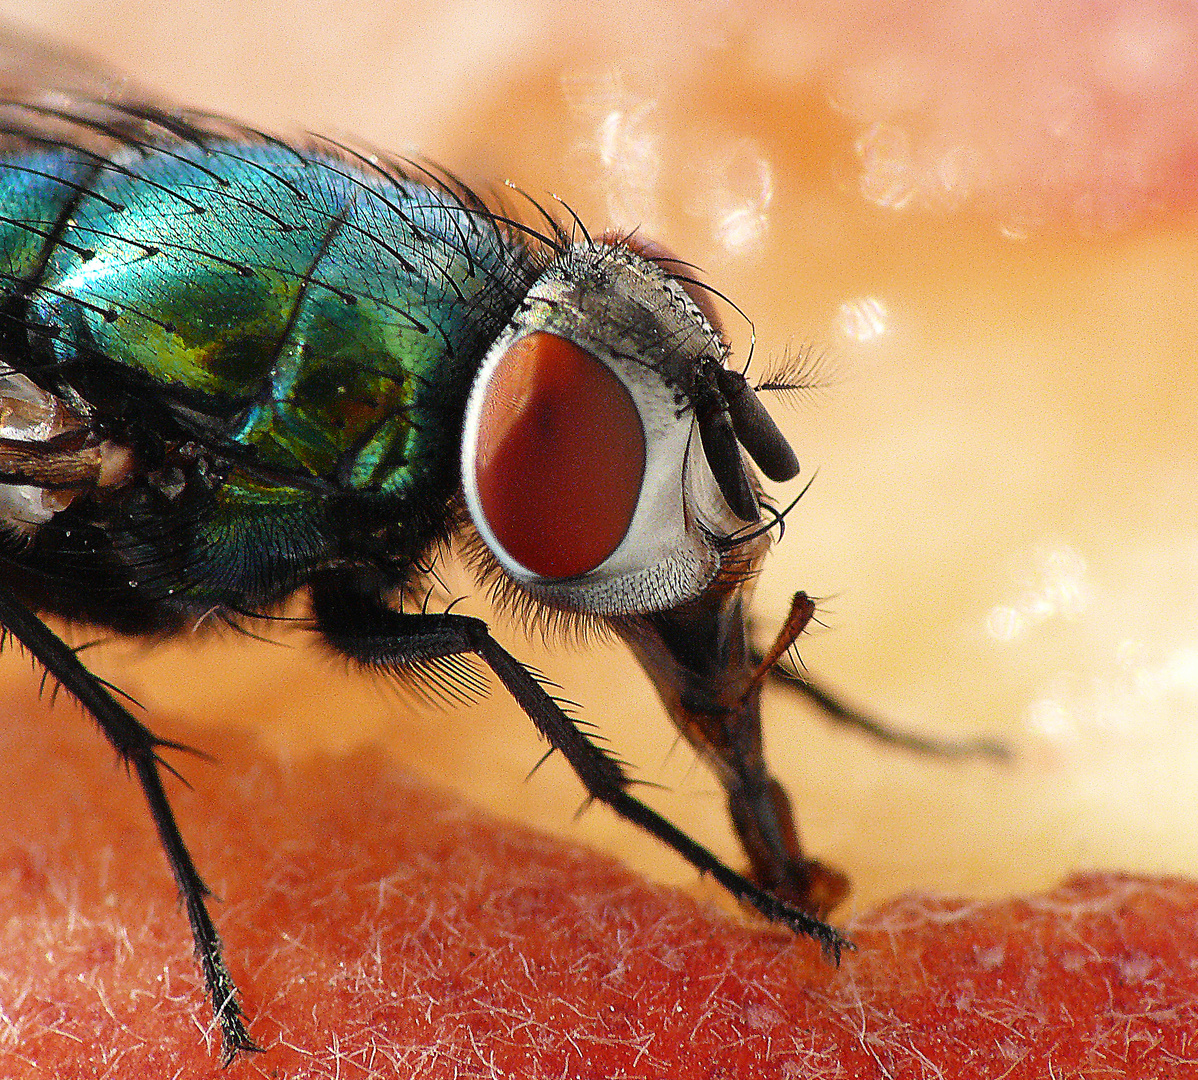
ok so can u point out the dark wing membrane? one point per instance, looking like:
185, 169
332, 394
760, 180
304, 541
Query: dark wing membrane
29, 63
55, 95
56, 77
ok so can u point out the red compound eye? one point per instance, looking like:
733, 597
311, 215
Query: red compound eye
559, 458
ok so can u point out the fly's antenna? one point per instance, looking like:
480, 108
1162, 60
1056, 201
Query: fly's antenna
805, 371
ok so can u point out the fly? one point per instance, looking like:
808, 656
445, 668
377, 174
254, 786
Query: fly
237, 369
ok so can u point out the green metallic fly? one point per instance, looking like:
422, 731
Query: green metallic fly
237, 369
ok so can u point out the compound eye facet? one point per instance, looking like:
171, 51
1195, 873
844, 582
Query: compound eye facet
559, 458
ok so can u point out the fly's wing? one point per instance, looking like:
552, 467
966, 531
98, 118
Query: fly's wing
50, 77
30, 64
51, 94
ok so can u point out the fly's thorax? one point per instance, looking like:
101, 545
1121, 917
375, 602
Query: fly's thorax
583, 466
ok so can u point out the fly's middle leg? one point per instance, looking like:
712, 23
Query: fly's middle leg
363, 628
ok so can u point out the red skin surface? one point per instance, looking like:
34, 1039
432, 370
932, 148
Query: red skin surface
380, 928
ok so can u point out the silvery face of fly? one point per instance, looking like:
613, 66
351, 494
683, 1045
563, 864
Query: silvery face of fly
600, 456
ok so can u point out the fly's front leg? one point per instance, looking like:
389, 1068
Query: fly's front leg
758, 805
358, 624
139, 747
836, 709
697, 655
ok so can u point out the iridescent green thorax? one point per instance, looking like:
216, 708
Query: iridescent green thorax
314, 322
323, 306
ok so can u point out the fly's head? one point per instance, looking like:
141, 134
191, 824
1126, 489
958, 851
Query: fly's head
606, 469
602, 456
